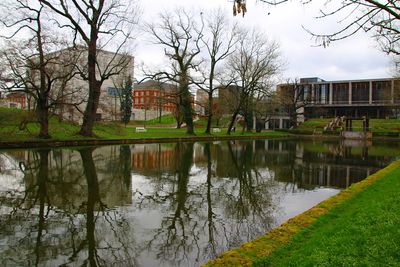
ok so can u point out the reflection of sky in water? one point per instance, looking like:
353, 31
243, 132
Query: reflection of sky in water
291, 204
11, 177
156, 205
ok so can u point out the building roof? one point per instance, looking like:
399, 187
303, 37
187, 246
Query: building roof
155, 85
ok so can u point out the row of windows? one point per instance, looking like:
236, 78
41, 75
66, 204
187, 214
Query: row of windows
147, 93
112, 91
319, 93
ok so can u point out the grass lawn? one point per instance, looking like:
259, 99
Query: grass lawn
11, 130
362, 231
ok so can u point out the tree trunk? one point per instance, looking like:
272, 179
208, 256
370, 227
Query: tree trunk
234, 115
89, 115
210, 113
43, 119
188, 115
187, 110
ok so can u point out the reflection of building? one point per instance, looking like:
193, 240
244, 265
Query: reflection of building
152, 158
334, 165
374, 98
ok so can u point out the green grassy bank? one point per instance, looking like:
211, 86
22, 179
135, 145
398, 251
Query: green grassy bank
357, 227
20, 126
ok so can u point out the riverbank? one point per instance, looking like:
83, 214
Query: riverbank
359, 226
18, 129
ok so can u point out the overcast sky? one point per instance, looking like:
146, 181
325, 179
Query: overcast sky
354, 58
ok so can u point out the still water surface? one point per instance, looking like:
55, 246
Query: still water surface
177, 204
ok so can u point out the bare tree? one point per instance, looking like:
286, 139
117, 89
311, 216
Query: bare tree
180, 36
99, 25
31, 67
219, 40
251, 68
360, 15
292, 98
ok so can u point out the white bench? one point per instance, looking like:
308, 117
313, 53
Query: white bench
216, 130
140, 130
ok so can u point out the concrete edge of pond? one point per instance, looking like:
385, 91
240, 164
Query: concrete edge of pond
281, 235
96, 142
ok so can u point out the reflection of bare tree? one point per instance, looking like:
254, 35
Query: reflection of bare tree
211, 245
43, 175
47, 221
205, 218
92, 200
176, 230
253, 201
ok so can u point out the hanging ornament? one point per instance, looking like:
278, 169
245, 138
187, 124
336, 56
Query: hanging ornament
239, 6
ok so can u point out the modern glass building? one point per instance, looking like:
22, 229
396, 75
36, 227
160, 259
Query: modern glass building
374, 98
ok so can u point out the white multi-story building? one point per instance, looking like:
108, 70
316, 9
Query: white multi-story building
70, 96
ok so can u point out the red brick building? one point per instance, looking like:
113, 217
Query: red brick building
16, 100
153, 95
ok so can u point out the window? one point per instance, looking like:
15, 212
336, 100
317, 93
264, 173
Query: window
381, 91
360, 92
98, 117
340, 93
322, 93
112, 91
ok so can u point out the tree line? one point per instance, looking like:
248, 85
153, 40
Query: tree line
205, 51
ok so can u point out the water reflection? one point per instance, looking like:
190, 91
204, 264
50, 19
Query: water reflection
164, 204
63, 214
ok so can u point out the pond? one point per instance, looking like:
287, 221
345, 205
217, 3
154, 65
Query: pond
172, 204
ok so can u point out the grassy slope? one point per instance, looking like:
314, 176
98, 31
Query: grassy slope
363, 231
355, 227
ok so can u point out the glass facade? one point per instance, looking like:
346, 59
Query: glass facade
381, 91
360, 92
340, 93
321, 93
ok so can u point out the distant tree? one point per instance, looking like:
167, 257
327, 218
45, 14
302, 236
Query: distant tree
291, 98
98, 24
250, 70
31, 67
180, 36
219, 40
126, 101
